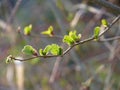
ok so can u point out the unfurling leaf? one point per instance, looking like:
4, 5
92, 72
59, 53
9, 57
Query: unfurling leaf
29, 50
41, 52
56, 50
9, 59
71, 38
48, 32
104, 22
67, 39
96, 32
74, 36
27, 29
45, 51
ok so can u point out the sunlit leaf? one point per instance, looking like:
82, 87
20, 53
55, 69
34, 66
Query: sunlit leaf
29, 50
41, 52
74, 36
27, 29
104, 22
48, 32
50, 28
71, 38
67, 39
47, 49
96, 32
56, 50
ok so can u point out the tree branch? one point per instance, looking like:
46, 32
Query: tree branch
78, 43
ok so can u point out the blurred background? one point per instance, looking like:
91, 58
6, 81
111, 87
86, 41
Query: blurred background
90, 66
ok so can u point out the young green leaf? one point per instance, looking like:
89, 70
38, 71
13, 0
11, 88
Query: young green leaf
67, 39
104, 22
47, 49
71, 38
9, 59
29, 50
41, 52
53, 49
27, 29
74, 36
96, 32
48, 32
50, 28
56, 50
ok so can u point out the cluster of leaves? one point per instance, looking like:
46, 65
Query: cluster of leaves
97, 29
72, 38
54, 49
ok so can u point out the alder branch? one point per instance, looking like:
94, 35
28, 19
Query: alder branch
47, 56
78, 43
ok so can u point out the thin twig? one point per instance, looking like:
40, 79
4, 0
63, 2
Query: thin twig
26, 59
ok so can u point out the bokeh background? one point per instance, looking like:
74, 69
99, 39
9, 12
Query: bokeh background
92, 66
